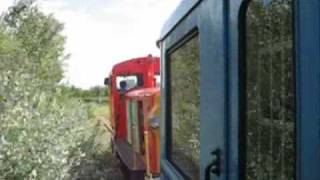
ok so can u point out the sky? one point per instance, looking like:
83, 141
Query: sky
101, 33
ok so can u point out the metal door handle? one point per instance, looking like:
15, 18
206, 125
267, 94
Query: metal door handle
214, 167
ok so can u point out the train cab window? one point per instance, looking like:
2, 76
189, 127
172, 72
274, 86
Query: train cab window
158, 80
270, 91
131, 81
185, 113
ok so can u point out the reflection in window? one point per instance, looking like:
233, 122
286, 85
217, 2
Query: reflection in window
185, 102
270, 111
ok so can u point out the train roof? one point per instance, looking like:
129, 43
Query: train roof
132, 64
135, 60
184, 8
140, 94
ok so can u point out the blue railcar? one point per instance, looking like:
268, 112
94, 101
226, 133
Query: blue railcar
241, 90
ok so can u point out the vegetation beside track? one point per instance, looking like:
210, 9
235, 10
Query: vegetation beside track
99, 162
44, 132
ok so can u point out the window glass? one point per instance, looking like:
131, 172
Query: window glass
158, 80
132, 81
270, 98
185, 112
133, 136
131, 113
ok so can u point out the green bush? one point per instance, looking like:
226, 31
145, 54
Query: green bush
41, 131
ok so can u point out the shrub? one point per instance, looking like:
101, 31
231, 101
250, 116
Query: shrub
41, 132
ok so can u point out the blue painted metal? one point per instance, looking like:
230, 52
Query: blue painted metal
179, 14
218, 22
308, 88
213, 85
185, 27
235, 13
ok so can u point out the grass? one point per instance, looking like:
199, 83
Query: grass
97, 110
100, 110
98, 163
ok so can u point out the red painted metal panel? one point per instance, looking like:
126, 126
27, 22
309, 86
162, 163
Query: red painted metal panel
147, 68
150, 98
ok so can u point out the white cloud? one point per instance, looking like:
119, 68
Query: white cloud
101, 33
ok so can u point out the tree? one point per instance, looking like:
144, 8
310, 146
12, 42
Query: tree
39, 134
40, 38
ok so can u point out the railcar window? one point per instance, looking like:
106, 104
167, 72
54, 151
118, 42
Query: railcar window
185, 101
158, 80
132, 81
270, 94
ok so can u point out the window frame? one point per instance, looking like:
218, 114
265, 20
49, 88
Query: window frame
168, 115
242, 26
140, 81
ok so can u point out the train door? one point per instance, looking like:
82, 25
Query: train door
241, 90
193, 89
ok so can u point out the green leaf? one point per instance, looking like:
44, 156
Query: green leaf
2, 98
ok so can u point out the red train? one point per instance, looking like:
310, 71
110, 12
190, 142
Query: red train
135, 110
241, 79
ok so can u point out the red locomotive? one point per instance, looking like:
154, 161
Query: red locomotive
135, 103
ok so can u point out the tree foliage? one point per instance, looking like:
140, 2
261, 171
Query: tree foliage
40, 132
40, 39
97, 91
270, 106
185, 103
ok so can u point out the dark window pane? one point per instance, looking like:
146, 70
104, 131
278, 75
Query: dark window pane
185, 101
270, 112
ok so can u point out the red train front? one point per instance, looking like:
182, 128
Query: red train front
134, 98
